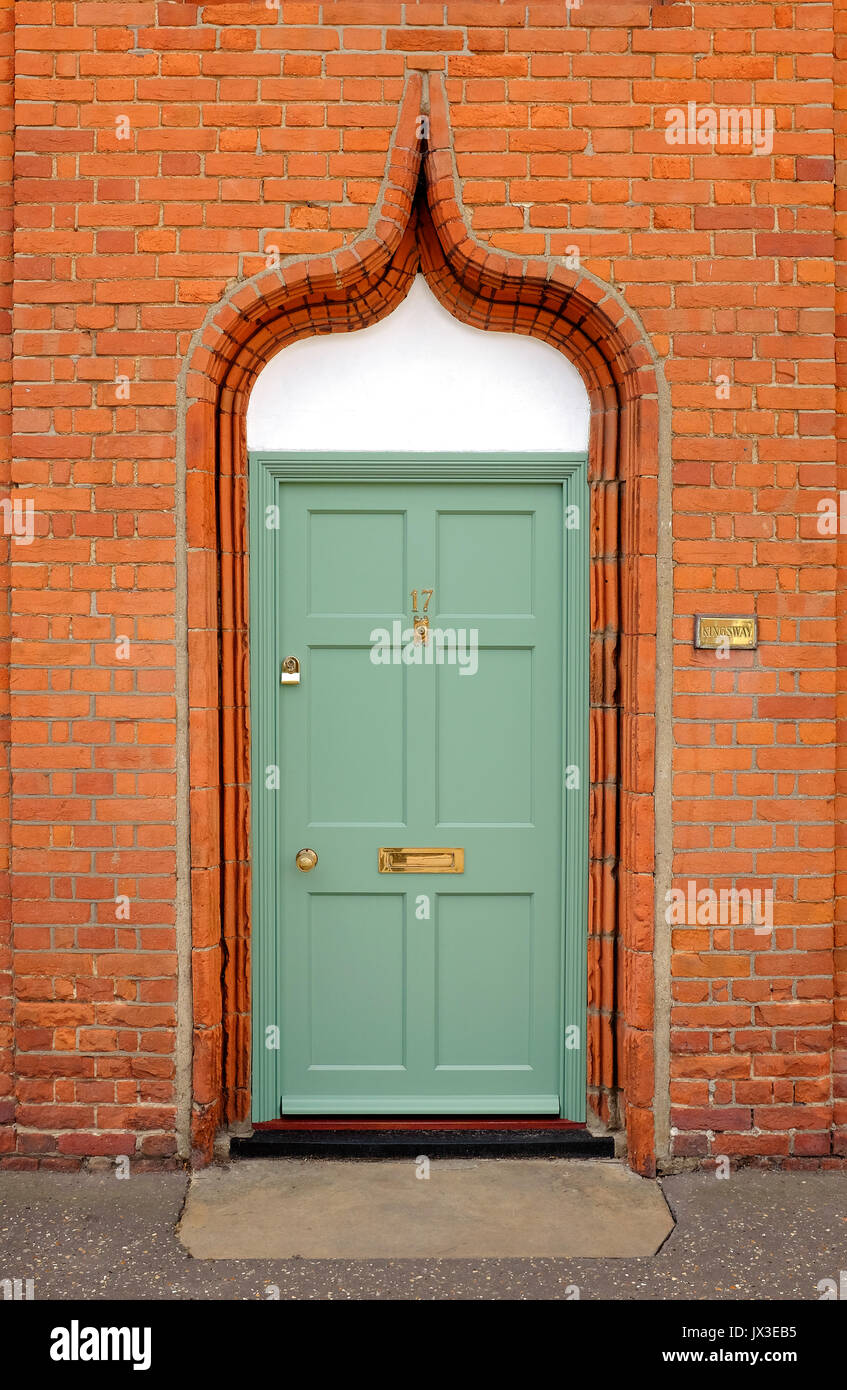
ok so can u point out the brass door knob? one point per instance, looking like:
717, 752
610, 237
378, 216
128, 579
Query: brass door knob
306, 859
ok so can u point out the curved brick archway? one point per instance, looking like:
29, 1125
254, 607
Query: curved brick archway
418, 225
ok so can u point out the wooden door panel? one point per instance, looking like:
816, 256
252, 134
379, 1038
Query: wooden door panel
416, 992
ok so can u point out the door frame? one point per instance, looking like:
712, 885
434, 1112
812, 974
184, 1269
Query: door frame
265, 470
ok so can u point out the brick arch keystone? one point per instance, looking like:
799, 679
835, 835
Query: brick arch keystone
418, 226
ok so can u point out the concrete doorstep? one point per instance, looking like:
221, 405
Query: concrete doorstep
391, 1209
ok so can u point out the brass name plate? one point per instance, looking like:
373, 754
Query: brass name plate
710, 633
422, 861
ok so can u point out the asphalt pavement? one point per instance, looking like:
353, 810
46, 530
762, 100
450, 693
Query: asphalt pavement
757, 1234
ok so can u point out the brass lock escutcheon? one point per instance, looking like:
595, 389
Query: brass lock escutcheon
420, 622
289, 673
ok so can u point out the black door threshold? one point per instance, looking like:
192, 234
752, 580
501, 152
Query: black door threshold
442, 1143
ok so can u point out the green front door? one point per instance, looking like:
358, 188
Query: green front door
436, 981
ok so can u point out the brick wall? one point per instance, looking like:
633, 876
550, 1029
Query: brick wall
840, 1035
7, 1106
161, 150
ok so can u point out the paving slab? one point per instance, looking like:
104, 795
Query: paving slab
285, 1208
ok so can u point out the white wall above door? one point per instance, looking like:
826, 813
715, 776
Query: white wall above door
419, 380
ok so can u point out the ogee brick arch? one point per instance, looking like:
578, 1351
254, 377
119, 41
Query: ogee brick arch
418, 225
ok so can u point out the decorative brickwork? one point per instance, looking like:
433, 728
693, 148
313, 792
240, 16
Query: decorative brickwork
492, 292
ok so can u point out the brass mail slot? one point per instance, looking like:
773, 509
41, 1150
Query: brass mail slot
422, 861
